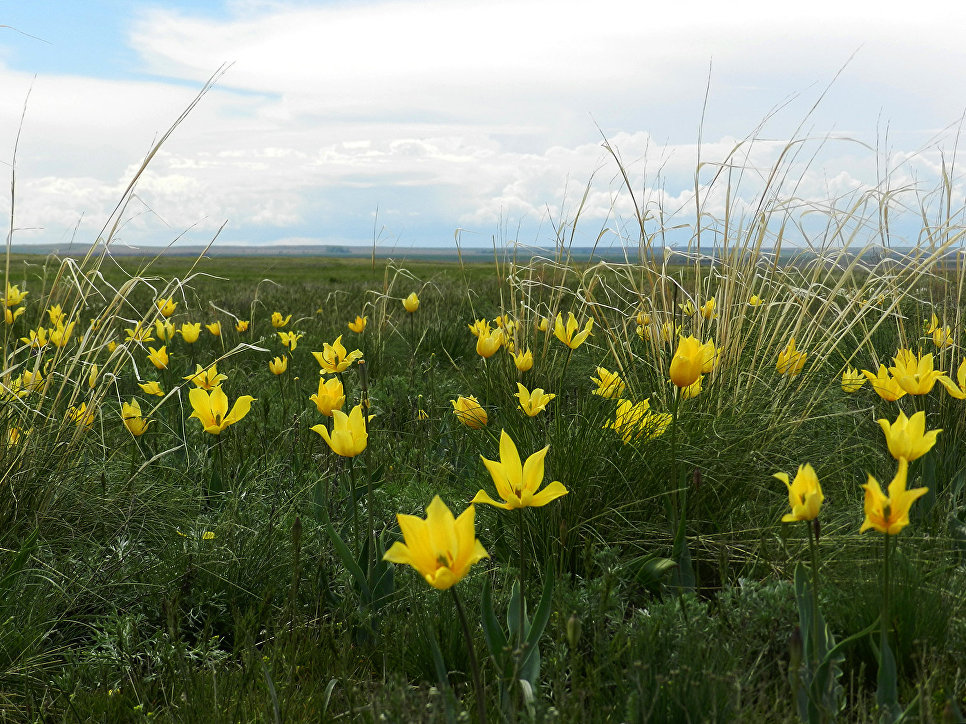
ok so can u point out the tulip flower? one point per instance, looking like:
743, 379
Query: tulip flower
151, 388
942, 337
349, 436
687, 309
542, 324
889, 514
331, 396
278, 365
56, 315
517, 484
211, 408
411, 303
206, 379
709, 357
359, 325
635, 421
884, 385
278, 321
804, 494
791, 360
469, 412
755, 301
214, 328
609, 384
334, 358
669, 331
487, 345
569, 334
643, 319
930, 325
140, 333
14, 295
81, 415
523, 360
111, 346
915, 374
190, 332
166, 306
290, 339
164, 329
707, 309
92, 377
907, 437
957, 391
852, 380
533, 403
159, 357
11, 316
692, 390
687, 362
479, 327
131, 415
60, 336
242, 325
441, 548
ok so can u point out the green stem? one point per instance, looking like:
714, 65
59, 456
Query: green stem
677, 505
522, 561
474, 665
355, 507
883, 639
813, 549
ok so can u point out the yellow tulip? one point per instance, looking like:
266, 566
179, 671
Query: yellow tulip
11, 316
349, 436
543, 324
884, 385
915, 374
931, 325
140, 333
709, 357
214, 328
334, 358
523, 360
151, 388
804, 494
207, 378
56, 315
290, 339
687, 309
469, 412
166, 306
755, 301
889, 514
131, 415
852, 380
211, 409
687, 362
359, 325
609, 384
569, 334
92, 377
790, 360
707, 309
692, 390
517, 483
533, 403
278, 321
242, 325
278, 365
441, 548
60, 336
907, 437
669, 331
164, 329
487, 345
331, 396
479, 327
111, 346
643, 319
81, 415
411, 303
190, 332
957, 391
942, 337
159, 357
14, 295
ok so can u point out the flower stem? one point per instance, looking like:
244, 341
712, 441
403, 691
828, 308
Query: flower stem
813, 548
884, 636
474, 665
522, 561
355, 507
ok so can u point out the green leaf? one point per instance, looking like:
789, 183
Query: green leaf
348, 560
887, 693
496, 641
17, 565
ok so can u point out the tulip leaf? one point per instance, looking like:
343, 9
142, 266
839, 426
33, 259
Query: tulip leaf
887, 694
542, 615
514, 624
496, 640
16, 566
348, 560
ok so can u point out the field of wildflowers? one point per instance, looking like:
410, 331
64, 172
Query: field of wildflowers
718, 485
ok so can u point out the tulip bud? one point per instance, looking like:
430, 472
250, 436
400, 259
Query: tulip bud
573, 631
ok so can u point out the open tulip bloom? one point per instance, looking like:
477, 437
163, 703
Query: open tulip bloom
907, 437
889, 514
533, 403
211, 409
568, 334
442, 548
349, 436
517, 483
333, 358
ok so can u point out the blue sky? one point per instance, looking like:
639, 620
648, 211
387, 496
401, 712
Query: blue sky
451, 114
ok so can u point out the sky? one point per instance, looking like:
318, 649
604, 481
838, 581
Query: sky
414, 123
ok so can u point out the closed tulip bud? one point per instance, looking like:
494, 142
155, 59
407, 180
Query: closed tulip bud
278, 365
523, 360
411, 303
488, 345
241, 325
214, 328
190, 332
687, 362
469, 412
331, 396
278, 321
131, 415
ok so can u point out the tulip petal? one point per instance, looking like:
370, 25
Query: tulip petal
553, 491
483, 497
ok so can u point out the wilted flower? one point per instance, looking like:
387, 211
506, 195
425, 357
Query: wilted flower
190, 332
533, 403
278, 365
609, 384
907, 437
166, 306
523, 360
349, 436
214, 328
791, 360
804, 494
411, 303
852, 380
159, 357
517, 484
469, 412
889, 514
884, 384
334, 358
151, 388
207, 378
211, 408
331, 396
569, 334
442, 548
278, 321
359, 325
131, 415
687, 362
